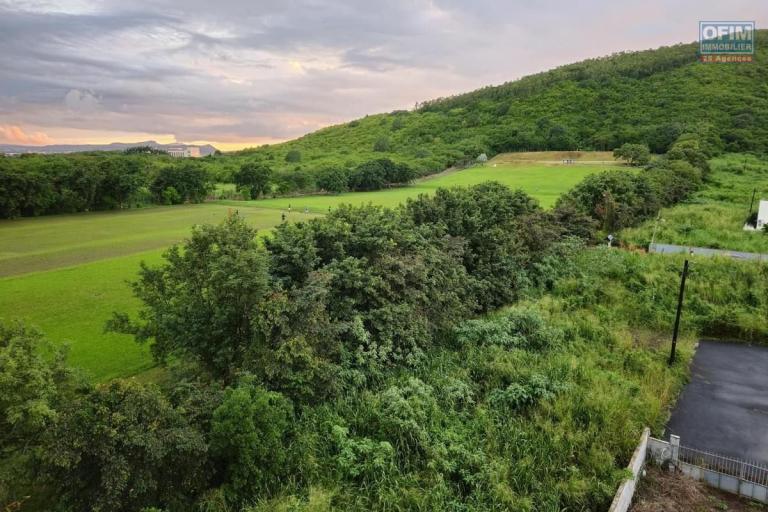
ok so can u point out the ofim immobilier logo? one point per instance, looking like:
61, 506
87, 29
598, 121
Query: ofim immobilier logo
726, 41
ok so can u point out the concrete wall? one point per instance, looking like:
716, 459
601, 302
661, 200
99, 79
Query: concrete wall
704, 251
623, 498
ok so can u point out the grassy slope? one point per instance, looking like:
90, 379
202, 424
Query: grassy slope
35, 244
714, 216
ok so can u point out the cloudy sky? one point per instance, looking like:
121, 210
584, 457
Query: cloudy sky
245, 72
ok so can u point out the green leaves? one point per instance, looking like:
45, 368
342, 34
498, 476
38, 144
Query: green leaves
254, 178
121, 447
203, 301
249, 434
634, 154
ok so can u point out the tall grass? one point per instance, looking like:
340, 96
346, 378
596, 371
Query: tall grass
536, 407
714, 216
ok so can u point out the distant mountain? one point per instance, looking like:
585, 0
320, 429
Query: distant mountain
205, 150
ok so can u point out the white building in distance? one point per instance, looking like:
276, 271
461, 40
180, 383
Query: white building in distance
184, 152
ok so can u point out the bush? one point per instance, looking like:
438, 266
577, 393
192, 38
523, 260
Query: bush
123, 447
634, 154
293, 156
171, 196
516, 328
333, 180
249, 435
381, 144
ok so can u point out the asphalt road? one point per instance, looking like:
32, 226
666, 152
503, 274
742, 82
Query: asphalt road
724, 408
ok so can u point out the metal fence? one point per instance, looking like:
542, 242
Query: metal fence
742, 477
749, 471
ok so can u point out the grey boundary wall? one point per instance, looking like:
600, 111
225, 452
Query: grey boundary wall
623, 498
703, 251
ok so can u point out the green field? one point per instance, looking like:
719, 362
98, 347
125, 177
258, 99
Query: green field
545, 182
66, 274
45, 286
45, 243
72, 304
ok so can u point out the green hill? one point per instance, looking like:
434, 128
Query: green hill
650, 97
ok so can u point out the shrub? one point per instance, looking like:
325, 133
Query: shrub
381, 144
516, 328
249, 433
293, 156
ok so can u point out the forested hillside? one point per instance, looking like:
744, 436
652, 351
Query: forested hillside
654, 97
649, 97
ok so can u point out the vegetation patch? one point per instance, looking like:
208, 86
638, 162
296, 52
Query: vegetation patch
714, 216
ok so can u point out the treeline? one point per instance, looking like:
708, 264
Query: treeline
32, 185
335, 365
649, 97
256, 178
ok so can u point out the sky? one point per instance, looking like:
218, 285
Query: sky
239, 73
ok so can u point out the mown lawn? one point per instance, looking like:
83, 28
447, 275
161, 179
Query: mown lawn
71, 305
45, 243
542, 181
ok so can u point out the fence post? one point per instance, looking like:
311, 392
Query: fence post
674, 443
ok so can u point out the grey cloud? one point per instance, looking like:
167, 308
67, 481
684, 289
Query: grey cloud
240, 69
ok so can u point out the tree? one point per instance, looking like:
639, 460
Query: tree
491, 223
189, 179
376, 287
293, 156
249, 433
202, 302
368, 176
375, 174
634, 154
616, 199
381, 144
122, 447
255, 178
31, 387
333, 180
121, 179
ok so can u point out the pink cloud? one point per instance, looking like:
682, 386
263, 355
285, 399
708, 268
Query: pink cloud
13, 134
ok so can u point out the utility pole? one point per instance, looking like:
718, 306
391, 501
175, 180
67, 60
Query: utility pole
679, 311
751, 203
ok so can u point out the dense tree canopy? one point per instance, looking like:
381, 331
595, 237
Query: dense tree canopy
254, 179
32, 185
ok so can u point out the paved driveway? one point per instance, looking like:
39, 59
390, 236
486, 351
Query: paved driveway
724, 408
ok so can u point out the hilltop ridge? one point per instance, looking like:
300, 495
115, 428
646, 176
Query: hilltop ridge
650, 97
